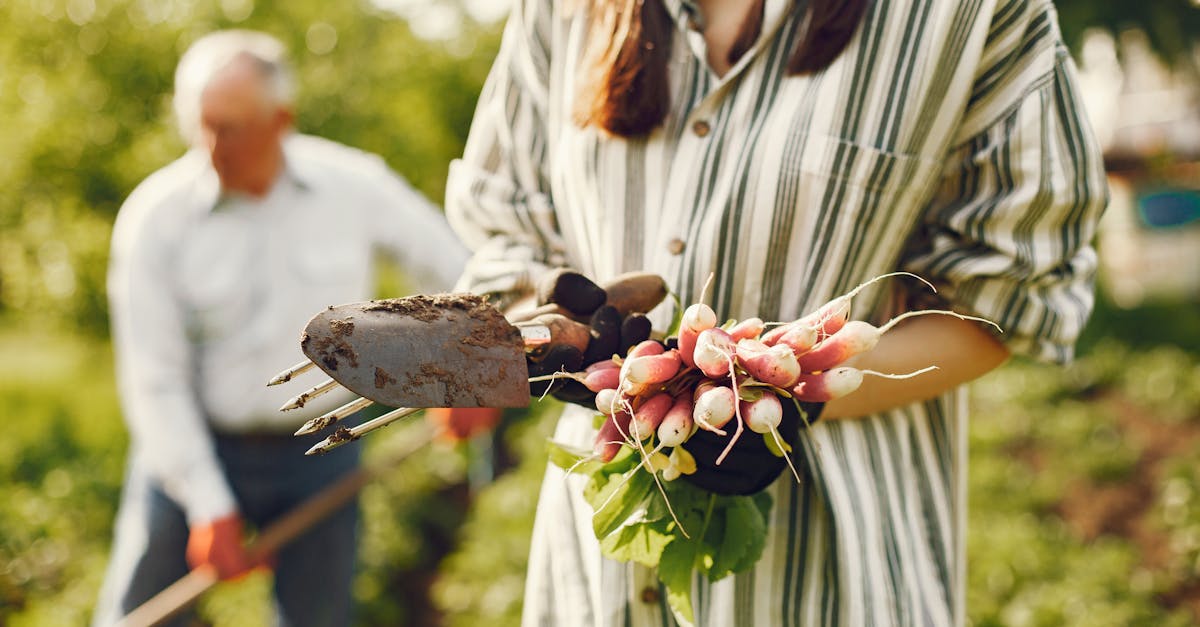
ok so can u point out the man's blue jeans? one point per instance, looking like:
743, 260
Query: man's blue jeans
269, 476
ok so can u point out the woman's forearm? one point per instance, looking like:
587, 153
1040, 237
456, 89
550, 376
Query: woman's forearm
962, 351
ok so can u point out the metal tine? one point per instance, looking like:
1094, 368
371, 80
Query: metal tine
344, 435
324, 420
287, 375
317, 390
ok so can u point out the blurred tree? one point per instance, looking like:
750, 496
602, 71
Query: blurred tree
85, 88
1173, 26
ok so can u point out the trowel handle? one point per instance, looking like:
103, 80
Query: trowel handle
552, 328
534, 335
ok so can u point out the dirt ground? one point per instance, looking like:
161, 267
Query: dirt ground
1126, 509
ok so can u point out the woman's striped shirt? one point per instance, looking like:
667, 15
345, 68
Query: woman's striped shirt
947, 140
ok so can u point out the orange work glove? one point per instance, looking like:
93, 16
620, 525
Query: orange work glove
460, 423
219, 544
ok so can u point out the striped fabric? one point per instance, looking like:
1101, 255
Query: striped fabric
947, 140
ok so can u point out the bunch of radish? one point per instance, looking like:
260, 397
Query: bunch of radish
727, 378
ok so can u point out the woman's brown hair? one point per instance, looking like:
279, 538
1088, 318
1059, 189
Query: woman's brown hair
625, 89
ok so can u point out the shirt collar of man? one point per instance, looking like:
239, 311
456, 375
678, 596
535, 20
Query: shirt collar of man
211, 196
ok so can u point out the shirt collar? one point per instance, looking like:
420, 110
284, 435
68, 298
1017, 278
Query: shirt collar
208, 186
689, 20
687, 13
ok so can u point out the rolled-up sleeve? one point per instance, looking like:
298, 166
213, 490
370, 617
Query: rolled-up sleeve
1009, 233
497, 196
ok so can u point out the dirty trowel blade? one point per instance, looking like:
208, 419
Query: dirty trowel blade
447, 350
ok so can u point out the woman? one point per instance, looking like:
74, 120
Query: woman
793, 150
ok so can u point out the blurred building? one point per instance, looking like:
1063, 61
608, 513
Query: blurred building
1147, 117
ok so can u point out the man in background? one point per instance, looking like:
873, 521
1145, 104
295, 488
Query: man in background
218, 261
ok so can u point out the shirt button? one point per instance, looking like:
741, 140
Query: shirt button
676, 246
650, 595
700, 128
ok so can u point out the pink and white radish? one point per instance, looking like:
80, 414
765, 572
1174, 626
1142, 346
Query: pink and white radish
640, 372
608, 401
746, 329
831, 316
649, 415
828, 385
714, 352
775, 365
646, 347
602, 379
678, 424
800, 338
612, 435
696, 318
838, 382
857, 337
713, 406
763, 414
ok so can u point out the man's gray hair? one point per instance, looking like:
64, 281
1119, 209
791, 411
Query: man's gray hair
214, 52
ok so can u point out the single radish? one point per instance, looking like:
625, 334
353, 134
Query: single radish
830, 317
651, 369
771, 337
746, 329
763, 415
603, 379
677, 425
647, 347
649, 415
696, 318
608, 401
800, 338
714, 352
714, 406
612, 436
774, 365
827, 385
855, 338
833, 315
858, 337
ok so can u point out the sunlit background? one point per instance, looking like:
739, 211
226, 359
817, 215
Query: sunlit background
1085, 481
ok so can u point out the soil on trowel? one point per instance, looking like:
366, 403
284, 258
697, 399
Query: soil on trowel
493, 328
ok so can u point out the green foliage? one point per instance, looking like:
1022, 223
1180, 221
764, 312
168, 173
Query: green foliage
85, 91
1171, 25
483, 580
673, 526
60, 474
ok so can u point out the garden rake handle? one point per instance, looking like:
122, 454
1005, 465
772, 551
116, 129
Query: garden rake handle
181, 594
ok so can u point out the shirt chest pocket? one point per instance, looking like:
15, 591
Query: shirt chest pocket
853, 197
856, 176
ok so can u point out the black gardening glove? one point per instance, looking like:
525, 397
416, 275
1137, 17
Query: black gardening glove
750, 467
610, 334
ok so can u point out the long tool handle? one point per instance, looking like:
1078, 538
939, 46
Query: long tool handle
181, 594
